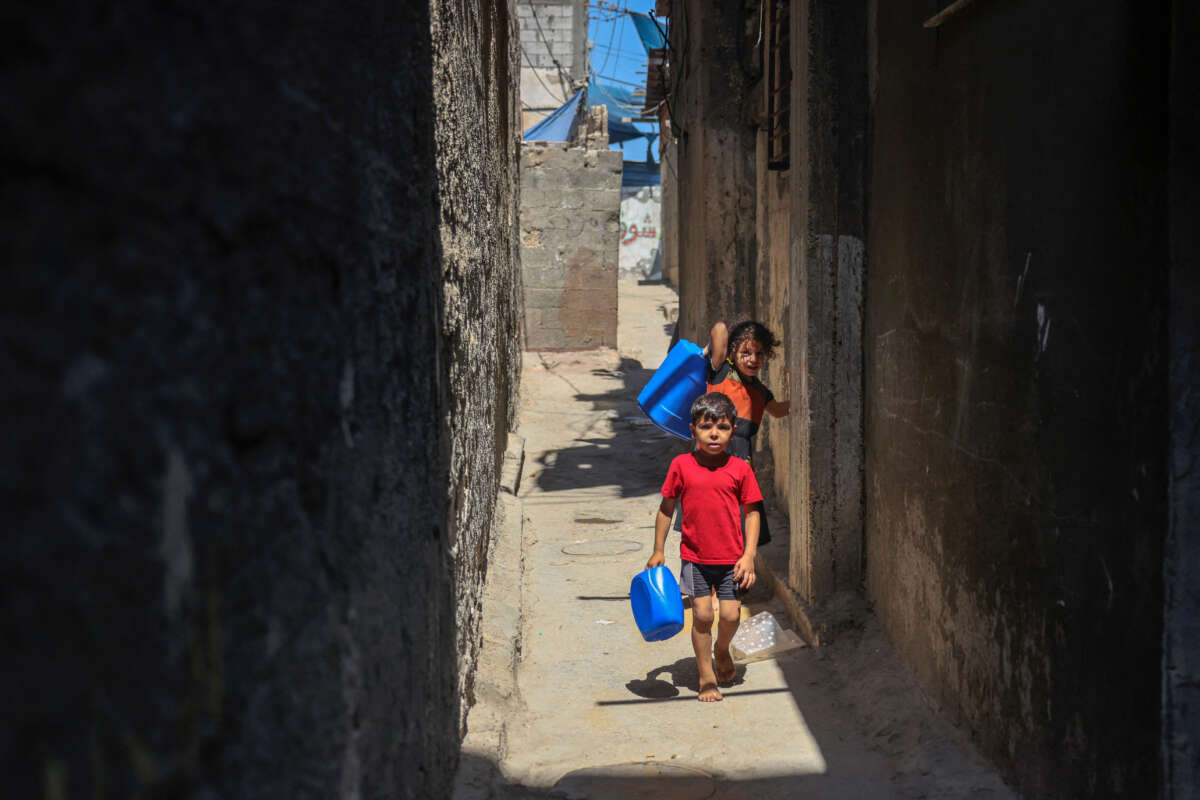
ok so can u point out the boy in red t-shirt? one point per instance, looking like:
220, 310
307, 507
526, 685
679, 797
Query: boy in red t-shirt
716, 489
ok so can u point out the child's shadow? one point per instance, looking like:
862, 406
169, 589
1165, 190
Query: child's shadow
683, 675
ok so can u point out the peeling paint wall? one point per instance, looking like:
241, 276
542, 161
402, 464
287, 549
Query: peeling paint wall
261, 345
641, 222
1016, 378
570, 217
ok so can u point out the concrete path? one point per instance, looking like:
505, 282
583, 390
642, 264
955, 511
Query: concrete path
596, 712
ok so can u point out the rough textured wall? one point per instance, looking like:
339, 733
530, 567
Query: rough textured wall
475, 45
824, 348
229, 413
1016, 378
772, 283
713, 108
570, 213
1181, 635
669, 231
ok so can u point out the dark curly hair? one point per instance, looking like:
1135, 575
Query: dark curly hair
752, 330
713, 406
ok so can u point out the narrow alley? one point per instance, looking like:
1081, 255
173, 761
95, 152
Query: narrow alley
596, 712
322, 473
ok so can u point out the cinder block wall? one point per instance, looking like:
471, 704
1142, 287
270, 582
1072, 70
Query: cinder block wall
554, 34
242, 353
570, 216
554, 54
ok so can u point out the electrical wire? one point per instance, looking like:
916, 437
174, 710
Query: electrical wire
612, 31
625, 54
618, 80
534, 70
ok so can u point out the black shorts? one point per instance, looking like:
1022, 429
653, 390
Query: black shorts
698, 580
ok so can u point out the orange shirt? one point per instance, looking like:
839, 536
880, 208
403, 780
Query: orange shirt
750, 397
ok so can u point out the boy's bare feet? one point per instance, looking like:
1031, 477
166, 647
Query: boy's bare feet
726, 671
709, 693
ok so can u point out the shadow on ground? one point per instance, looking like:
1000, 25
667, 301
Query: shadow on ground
683, 675
879, 735
634, 458
869, 752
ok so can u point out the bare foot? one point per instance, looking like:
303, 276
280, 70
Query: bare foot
726, 671
709, 693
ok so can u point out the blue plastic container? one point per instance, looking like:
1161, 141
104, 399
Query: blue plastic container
657, 606
668, 397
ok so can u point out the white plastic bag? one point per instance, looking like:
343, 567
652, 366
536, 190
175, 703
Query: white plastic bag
760, 637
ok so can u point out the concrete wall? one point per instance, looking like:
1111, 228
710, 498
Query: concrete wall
554, 42
714, 108
641, 222
1181, 623
669, 230
727, 219
570, 208
783, 246
477, 140
1017, 378
245, 291
824, 347
772, 277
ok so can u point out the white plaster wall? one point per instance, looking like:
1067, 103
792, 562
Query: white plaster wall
641, 223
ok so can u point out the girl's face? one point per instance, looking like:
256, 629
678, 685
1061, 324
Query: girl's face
749, 357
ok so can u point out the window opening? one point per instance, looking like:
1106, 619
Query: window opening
777, 42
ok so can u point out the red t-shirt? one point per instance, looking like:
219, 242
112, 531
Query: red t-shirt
712, 499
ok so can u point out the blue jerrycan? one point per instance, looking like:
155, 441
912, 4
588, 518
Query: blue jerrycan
657, 606
668, 397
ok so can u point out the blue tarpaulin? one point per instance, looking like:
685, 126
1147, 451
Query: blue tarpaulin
557, 126
650, 34
621, 104
640, 173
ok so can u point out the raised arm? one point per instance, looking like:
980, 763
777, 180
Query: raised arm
718, 344
779, 408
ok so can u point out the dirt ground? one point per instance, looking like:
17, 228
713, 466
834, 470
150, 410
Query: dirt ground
596, 712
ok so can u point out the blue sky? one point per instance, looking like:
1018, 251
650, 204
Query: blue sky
619, 58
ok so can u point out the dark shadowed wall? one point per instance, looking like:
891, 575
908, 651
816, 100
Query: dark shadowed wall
1181, 573
1016, 378
828, 101
252, 417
